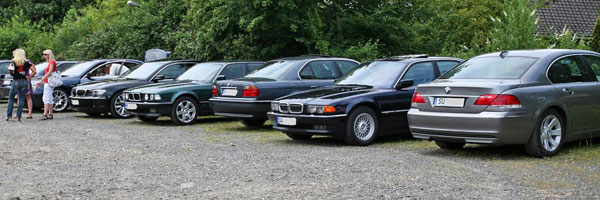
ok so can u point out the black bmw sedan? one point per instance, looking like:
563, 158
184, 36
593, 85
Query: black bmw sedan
370, 100
248, 99
106, 96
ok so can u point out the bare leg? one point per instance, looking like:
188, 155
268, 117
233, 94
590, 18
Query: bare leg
29, 105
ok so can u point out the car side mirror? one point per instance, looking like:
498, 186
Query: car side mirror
159, 77
404, 84
221, 77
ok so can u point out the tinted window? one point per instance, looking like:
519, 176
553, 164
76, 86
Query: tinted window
144, 71
446, 66
568, 70
594, 62
203, 72
491, 68
233, 71
61, 67
273, 69
320, 70
380, 74
173, 71
420, 73
346, 66
253, 66
4, 67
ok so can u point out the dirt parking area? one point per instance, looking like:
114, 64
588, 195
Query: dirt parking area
76, 156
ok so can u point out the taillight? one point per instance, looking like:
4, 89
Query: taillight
418, 98
498, 100
250, 91
214, 90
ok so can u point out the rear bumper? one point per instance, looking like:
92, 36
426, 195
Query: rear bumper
151, 109
240, 108
483, 128
90, 105
332, 125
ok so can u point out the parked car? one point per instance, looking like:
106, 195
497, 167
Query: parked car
82, 72
249, 98
369, 101
106, 96
186, 98
6, 80
539, 98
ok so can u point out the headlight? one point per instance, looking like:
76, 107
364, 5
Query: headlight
312, 109
275, 106
152, 97
157, 97
146, 97
97, 93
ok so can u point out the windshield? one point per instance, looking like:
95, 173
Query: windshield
145, 70
380, 74
4, 67
491, 68
272, 70
77, 70
203, 72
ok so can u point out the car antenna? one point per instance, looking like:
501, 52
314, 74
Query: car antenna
503, 54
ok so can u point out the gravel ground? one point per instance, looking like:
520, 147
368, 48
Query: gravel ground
76, 156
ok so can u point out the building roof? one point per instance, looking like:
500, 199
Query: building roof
578, 16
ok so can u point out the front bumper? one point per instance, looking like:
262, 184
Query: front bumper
90, 105
150, 109
332, 125
483, 128
240, 108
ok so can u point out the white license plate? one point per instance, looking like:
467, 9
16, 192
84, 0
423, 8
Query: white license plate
288, 121
131, 106
229, 92
448, 102
6, 82
75, 102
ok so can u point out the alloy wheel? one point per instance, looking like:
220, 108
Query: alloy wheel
120, 106
551, 132
364, 126
60, 100
186, 111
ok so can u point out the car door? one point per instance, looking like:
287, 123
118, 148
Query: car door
421, 72
577, 86
594, 64
319, 73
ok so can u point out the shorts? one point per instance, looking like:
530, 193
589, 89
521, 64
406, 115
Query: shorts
47, 97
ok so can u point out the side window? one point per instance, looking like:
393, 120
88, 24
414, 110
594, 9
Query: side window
64, 66
103, 70
173, 71
445, 66
346, 66
569, 70
4, 68
594, 62
233, 71
253, 66
307, 73
321, 70
420, 73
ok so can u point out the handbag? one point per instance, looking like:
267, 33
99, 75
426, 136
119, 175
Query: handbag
55, 79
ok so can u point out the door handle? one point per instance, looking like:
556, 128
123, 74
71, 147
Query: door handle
568, 91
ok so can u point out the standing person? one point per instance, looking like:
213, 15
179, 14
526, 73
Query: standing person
30, 73
18, 69
47, 96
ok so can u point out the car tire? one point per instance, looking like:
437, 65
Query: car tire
146, 118
449, 145
548, 136
362, 127
184, 111
253, 123
298, 136
117, 106
61, 100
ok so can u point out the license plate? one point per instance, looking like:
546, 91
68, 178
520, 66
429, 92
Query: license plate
6, 82
131, 106
229, 92
288, 121
448, 102
75, 102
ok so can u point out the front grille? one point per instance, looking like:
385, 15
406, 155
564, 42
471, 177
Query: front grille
284, 108
134, 96
295, 108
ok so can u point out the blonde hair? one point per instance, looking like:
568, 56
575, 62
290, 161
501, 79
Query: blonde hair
19, 57
49, 53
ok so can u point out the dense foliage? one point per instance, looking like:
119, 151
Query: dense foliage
267, 29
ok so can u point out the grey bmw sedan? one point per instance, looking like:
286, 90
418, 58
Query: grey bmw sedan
538, 98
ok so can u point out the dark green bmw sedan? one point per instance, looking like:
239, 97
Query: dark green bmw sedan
187, 97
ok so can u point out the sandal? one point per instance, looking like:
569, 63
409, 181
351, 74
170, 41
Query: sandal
50, 116
7, 118
29, 117
44, 117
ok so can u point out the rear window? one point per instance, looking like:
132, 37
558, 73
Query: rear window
272, 70
491, 68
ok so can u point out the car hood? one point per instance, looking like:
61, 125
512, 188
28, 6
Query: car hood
168, 87
99, 85
329, 94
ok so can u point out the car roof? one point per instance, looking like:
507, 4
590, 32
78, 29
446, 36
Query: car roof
539, 53
232, 61
307, 57
415, 58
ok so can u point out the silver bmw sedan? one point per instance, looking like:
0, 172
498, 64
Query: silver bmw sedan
539, 98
